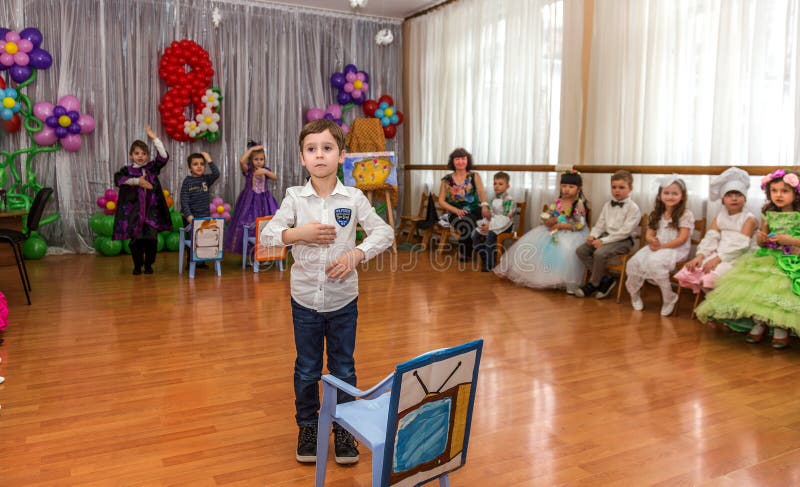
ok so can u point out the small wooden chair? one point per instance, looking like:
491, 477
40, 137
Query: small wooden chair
697, 236
517, 229
619, 267
408, 223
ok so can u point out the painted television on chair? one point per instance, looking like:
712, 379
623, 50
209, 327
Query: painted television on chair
434, 412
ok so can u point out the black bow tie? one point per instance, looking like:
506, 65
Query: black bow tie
618, 203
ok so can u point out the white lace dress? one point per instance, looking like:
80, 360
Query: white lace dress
650, 264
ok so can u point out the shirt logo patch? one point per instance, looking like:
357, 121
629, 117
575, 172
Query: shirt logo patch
342, 216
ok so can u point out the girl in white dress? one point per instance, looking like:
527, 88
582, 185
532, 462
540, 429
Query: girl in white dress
729, 235
667, 239
545, 256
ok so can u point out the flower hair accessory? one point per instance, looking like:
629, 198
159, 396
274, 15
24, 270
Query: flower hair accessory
789, 178
571, 176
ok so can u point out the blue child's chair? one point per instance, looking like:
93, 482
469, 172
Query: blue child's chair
416, 421
186, 245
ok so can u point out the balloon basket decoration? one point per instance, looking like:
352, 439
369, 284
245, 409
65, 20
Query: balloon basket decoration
187, 88
48, 127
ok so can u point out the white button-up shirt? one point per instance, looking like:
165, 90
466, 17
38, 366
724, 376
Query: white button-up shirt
618, 223
344, 208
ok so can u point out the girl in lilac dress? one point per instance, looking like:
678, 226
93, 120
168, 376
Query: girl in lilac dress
255, 199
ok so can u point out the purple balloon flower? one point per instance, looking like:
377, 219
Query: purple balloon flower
352, 85
20, 53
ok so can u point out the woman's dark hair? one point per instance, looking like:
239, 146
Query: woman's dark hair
770, 206
459, 153
659, 208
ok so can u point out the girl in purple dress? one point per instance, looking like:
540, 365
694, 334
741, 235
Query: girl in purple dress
255, 199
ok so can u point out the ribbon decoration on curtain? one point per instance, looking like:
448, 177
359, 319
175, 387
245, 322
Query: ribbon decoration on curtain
189, 88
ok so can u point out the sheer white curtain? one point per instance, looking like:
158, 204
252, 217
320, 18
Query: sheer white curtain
692, 82
486, 76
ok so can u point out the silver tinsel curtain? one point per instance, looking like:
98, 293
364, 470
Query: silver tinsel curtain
272, 63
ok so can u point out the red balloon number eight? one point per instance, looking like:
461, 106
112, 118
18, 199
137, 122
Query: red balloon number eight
185, 87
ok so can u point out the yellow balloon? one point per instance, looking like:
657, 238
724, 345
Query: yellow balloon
111, 205
357, 84
64, 121
220, 209
8, 102
388, 112
11, 47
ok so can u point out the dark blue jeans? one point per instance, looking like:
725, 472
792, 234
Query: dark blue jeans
485, 247
312, 329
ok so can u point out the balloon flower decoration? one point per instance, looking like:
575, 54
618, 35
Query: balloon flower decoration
220, 209
108, 202
48, 127
20, 53
187, 88
384, 110
352, 85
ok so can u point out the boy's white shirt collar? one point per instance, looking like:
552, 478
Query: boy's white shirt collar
308, 189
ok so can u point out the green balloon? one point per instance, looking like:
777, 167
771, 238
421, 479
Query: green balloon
106, 246
107, 226
3, 177
96, 222
160, 242
126, 245
177, 219
34, 248
173, 241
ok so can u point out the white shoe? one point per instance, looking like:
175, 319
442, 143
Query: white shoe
636, 302
669, 305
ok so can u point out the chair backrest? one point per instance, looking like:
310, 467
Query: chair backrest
423, 204
37, 209
430, 413
642, 231
522, 210
699, 231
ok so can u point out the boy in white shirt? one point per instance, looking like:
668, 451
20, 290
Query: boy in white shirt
319, 221
611, 236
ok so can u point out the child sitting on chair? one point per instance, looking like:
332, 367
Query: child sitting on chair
484, 237
729, 236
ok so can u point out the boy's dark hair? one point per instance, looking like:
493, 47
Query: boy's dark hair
319, 126
623, 175
460, 152
503, 176
139, 144
770, 206
193, 156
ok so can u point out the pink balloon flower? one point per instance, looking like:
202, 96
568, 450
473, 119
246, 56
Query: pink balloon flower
220, 209
63, 123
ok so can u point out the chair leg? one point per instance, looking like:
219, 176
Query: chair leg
696, 302
377, 465
17, 256
192, 265
444, 481
244, 246
324, 423
218, 267
24, 267
678, 302
620, 285
442, 242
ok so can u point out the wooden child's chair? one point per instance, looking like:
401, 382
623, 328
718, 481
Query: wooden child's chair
516, 230
408, 223
697, 236
618, 267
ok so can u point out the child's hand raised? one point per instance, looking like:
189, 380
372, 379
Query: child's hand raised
150, 132
206, 156
255, 148
317, 233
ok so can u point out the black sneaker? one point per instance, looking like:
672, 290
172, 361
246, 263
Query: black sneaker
344, 445
605, 287
136, 271
307, 444
148, 269
585, 291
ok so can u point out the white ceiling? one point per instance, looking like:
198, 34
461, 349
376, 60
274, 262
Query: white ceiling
398, 9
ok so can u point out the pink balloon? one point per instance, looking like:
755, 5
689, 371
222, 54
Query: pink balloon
47, 136
360, 76
110, 195
12, 36
314, 114
86, 123
345, 128
335, 110
6, 59
21, 59
101, 202
348, 87
356, 94
350, 77
71, 143
25, 45
70, 102
42, 110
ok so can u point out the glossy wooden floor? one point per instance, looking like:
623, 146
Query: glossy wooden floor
115, 379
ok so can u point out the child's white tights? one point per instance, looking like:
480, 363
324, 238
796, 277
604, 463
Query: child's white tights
668, 296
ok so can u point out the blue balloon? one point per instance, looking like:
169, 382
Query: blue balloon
379, 113
11, 92
395, 118
385, 121
6, 114
383, 105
